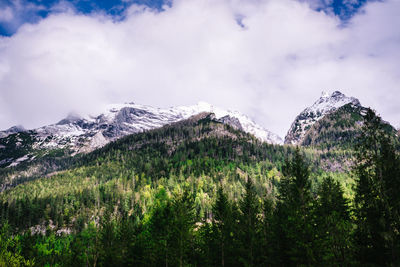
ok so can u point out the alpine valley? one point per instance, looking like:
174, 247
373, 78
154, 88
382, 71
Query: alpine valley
202, 186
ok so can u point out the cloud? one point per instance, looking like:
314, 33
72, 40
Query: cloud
14, 13
270, 64
6, 14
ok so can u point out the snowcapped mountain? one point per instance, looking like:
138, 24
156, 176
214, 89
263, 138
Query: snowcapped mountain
81, 134
235, 119
12, 130
326, 104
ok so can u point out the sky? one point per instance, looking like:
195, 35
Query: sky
268, 59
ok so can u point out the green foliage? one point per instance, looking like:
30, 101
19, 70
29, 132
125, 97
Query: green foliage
338, 129
200, 193
250, 225
294, 231
10, 249
333, 225
224, 231
377, 202
126, 174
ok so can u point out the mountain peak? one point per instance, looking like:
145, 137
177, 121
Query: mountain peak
334, 94
17, 128
71, 118
12, 130
337, 94
330, 102
324, 94
86, 133
326, 104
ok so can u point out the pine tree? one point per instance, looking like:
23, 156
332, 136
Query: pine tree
110, 240
250, 225
86, 246
10, 248
155, 239
377, 205
183, 222
267, 231
332, 218
293, 218
223, 227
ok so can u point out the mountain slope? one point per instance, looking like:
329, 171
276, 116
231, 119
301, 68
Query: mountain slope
200, 152
333, 121
324, 106
337, 129
76, 134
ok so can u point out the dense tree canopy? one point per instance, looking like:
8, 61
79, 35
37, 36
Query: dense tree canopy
201, 193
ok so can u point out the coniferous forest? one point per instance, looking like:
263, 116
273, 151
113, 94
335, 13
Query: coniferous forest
201, 193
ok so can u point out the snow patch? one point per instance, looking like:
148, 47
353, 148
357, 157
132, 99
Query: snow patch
88, 132
18, 161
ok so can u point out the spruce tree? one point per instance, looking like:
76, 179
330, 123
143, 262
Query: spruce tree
250, 226
267, 231
377, 205
223, 229
332, 218
293, 218
182, 226
155, 239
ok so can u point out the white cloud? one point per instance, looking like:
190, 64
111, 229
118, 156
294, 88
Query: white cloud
16, 12
6, 14
271, 68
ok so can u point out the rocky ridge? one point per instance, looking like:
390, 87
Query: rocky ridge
326, 104
82, 134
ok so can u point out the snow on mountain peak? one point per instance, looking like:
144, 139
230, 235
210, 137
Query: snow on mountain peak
12, 130
88, 132
132, 118
147, 117
324, 94
233, 118
326, 104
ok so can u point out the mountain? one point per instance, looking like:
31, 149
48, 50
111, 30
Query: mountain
181, 193
12, 130
81, 134
324, 106
124, 175
199, 147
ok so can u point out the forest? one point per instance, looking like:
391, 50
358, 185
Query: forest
201, 193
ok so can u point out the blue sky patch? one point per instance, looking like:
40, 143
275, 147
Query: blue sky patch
14, 13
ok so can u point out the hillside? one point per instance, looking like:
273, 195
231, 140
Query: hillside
339, 129
29, 154
120, 204
198, 152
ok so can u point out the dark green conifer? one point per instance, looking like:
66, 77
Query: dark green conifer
293, 223
377, 204
250, 226
332, 219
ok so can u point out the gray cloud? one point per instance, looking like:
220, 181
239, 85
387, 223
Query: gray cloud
271, 67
